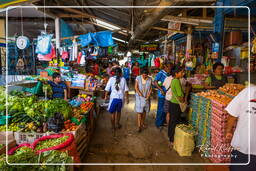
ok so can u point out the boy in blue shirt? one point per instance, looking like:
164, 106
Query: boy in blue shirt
126, 72
59, 88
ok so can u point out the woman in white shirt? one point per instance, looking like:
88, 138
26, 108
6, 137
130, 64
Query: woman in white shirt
118, 87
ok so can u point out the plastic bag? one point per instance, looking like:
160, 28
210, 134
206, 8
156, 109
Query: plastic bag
49, 56
184, 140
43, 46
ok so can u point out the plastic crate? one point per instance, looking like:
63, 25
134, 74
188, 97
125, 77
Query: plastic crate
3, 119
38, 89
23, 137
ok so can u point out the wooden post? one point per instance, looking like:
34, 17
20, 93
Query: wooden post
57, 32
165, 45
173, 51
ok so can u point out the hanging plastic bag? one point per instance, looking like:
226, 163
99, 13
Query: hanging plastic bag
49, 56
43, 46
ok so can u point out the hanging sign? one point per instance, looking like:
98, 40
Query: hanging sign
149, 47
173, 26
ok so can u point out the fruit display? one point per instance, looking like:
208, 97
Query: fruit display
69, 126
85, 107
13, 126
232, 89
81, 98
214, 95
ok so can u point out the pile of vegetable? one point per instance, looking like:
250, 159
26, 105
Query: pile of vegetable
26, 155
50, 143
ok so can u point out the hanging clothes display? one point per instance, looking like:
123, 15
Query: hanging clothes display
82, 62
157, 62
73, 56
48, 57
79, 57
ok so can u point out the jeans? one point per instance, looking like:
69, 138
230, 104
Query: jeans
175, 113
161, 115
238, 157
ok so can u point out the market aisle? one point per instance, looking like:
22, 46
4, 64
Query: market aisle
149, 146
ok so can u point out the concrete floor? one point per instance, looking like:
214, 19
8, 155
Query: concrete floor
129, 146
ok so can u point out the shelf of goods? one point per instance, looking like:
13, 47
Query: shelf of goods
32, 119
209, 118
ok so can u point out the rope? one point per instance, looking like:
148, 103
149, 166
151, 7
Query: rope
21, 14
45, 24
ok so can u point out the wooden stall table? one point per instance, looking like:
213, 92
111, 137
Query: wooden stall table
82, 90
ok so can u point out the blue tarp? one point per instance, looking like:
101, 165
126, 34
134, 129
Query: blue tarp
66, 31
102, 39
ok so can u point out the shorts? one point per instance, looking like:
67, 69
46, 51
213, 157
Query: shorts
116, 106
167, 106
238, 157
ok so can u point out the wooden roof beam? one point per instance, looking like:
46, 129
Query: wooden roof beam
190, 1
91, 16
166, 29
186, 20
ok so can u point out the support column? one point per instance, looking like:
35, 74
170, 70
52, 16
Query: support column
189, 38
57, 32
173, 50
219, 26
165, 45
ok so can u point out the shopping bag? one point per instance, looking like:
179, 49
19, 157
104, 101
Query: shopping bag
184, 140
183, 107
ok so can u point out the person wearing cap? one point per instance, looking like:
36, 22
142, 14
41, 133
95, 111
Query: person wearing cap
158, 82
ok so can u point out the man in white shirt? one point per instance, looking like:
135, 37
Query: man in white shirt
243, 110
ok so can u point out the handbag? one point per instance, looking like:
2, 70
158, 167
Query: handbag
183, 106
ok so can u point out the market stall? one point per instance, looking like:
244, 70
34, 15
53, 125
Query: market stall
43, 126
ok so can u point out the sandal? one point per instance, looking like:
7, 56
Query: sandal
139, 130
144, 126
170, 145
119, 126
